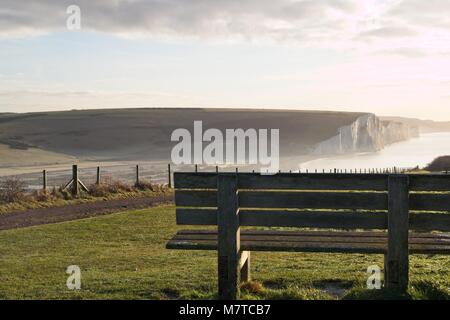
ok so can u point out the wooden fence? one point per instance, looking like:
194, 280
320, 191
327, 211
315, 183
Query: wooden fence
138, 173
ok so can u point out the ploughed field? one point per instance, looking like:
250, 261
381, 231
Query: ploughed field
123, 256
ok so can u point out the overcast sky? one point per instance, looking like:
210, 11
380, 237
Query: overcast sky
389, 57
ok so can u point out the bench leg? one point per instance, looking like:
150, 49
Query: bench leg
397, 257
396, 272
229, 241
229, 274
245, 266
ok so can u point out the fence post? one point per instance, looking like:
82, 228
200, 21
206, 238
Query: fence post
97, 181
169, 176
137, 174
44, 180
229, 237
75, 182
396, 259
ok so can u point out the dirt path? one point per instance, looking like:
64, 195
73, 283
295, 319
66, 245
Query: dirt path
79, 211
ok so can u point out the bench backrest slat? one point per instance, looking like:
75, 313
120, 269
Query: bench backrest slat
347, 201
314, 219
429, 182
285, 181
313, 200
196, 198
429, 202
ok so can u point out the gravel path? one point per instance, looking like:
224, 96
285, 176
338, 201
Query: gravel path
40, 216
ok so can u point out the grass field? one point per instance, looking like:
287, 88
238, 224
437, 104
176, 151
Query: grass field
123, 256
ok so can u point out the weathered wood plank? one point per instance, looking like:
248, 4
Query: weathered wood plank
412, 235
293, 181
228, 237
429, 221
271, 199
196, 198
397, 265
311, 238
250, 244
313, 200
313, 181
430, 182
283, 246
316, 219
75, 184
429, 202
284, 218
196, 216
313, 219
195, 180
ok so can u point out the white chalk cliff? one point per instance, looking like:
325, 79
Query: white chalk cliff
366, 134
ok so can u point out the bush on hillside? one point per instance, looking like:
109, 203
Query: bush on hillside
439, 164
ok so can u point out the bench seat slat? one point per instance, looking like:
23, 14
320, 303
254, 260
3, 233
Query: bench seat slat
319, 233
280, 241
341, 239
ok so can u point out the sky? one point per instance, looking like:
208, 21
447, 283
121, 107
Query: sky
388, 57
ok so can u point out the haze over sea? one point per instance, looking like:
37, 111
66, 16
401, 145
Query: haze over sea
415, 152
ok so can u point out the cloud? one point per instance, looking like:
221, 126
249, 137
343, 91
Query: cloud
338, 24
405, 52
280, 20
388, 32
429, 13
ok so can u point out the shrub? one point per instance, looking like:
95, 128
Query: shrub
108, 186
144, 185
12, 190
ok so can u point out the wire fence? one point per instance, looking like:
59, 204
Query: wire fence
157, 173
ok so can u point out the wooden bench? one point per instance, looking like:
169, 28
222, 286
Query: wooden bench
402, 209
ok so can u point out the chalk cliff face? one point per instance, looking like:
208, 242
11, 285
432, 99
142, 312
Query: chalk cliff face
367, 134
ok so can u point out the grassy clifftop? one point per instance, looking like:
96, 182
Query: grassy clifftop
123, 256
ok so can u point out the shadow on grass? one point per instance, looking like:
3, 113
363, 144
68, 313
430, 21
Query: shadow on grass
418, 290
